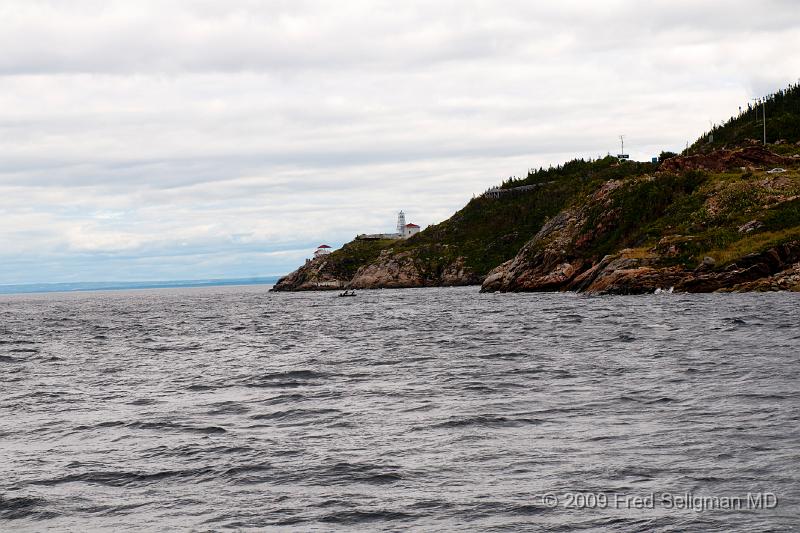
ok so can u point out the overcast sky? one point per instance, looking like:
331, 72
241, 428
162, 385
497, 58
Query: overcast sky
168, 139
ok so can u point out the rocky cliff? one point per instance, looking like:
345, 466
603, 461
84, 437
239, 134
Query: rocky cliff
315, 275
736, 229
777, 268
458, 251
723, 220
725, 215
335, 270
399, 270
389, 271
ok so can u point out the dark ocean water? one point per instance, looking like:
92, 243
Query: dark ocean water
421, 409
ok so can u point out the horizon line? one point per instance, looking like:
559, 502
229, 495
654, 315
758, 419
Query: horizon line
85, 286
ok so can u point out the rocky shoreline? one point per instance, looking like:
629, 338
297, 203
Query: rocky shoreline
715, 222
389, 271
776, 269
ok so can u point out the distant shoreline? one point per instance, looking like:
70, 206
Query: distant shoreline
36, 288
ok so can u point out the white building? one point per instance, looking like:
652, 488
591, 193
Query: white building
404, 231
322, 249
401, 223
409, 230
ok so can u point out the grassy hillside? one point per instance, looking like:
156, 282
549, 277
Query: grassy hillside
675, 212
489, 231
782, 111
688, 216
344, 262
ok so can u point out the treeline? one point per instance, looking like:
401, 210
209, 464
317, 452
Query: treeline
584, 169
782, 111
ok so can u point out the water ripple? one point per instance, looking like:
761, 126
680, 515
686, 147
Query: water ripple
420, 409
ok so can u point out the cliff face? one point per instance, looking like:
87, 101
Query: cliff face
774, 269
459, 251
693, 231
715, 221
552, 258
389, 271
722, 217
335, 270
378, 265
315, 275
399, 270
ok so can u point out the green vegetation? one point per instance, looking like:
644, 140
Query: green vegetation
782, 110
672, 218
639, 212
489, 231
345, 261
697, 214
783, 216
701, 213
606, 168
752, 243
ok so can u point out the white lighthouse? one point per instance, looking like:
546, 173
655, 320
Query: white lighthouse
403, 231
401, 223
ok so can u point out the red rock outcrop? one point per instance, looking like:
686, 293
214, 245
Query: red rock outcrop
720, 160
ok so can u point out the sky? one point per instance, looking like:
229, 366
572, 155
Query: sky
192, 139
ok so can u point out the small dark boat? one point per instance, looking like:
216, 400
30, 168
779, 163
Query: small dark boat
347, 293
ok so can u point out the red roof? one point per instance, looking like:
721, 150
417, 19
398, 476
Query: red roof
323, 246
411, 226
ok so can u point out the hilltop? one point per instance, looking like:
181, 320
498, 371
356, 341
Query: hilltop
782, 112
714, 218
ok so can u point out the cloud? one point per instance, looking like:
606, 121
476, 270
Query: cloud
189, 139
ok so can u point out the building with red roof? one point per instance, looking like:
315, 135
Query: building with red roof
409, 230
322, 249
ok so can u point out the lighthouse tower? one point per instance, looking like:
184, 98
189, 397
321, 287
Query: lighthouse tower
401, 223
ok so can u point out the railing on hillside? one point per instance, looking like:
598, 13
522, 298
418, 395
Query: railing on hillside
377, 236
497, 192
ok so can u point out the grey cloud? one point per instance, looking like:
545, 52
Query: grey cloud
209, 139
147, 37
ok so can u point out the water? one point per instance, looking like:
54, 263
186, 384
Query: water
127, 285
420, 409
